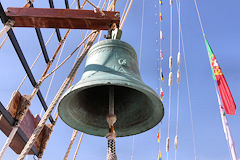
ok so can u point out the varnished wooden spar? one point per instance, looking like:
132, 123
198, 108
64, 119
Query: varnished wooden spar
62, 18
27, 126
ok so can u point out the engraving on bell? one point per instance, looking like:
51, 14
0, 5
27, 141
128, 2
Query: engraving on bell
84, 106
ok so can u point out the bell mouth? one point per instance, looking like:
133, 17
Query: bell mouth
84, 107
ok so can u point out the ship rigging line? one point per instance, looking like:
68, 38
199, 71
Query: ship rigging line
55, 112
133, 142
189, 97
50, 84
126, 14
160, 63
75, 132
123, 13
40, 53
141, 35
36, 89
41, 124
140, 57
78, 146
54, 70
170, 79
160, 47
73, 136
67, 81
178, 81
231, 145
189, 93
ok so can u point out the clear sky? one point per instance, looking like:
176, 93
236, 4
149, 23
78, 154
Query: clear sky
221, 24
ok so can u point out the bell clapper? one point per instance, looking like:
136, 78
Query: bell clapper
111, 135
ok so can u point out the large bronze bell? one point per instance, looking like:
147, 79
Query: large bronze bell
84, 106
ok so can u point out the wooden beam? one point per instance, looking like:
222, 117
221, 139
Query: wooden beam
62, 18
26, 129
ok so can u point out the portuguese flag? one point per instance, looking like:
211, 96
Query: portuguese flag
225, 93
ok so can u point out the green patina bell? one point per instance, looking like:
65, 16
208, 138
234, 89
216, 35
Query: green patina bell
84, 106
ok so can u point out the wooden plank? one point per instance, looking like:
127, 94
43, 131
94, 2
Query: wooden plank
62, 18
27, 126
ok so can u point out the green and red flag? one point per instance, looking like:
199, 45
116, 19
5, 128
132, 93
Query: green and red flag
225, 93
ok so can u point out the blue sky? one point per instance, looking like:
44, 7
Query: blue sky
221, 24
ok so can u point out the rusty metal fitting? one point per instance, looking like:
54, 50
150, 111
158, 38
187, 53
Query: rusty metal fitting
111, 119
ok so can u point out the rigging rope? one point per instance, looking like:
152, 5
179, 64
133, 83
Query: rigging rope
7, 26
232, 148
108, 4
75, 132
111, 150
29, 99
40, 53
78, 146
160, 58
17, 125
141, 36
4, 41
125, 16
74, 135
189, 96
199, 18
27, 5
123, 13
99, 3
43, 147
50, 84
100, 34
105, 2
56, 114
228, 135
54, 70
133, 142
160, 50
169, 81
47, 114
178, 75
133, 139
80, 50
